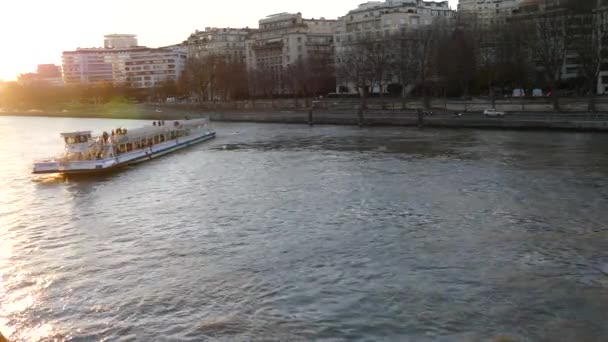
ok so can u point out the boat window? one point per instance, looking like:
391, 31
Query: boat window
121, 148
129, 147
162, 138
82, 138
70, 140
156, 139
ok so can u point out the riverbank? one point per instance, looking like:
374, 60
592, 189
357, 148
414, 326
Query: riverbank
513, 120
520, 121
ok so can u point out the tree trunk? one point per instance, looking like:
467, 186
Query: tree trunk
555, 99
491, 93
403, 97
592, 96
362, 107
426, 99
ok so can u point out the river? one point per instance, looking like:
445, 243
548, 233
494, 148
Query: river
290, 233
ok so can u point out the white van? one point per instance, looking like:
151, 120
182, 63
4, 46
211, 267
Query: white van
537, 92
519, 92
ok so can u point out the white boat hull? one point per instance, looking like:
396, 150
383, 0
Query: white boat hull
129, 158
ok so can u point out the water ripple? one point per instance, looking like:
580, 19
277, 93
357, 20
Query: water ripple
290, 233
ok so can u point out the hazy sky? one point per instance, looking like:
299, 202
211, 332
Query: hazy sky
37, 31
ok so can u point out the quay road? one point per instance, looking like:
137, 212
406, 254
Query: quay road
564, 121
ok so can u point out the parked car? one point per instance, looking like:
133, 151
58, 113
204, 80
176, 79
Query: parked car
493, 112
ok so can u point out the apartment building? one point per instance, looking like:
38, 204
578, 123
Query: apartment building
95, 65
377, 20
226, 42
147, 68
488, 12
283, 39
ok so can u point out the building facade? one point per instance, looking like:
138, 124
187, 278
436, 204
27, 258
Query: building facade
376, 19
46, 74
554, 16
225, 42
96, 65
119, 41
488, 12
148, 68
379, 20
281, 41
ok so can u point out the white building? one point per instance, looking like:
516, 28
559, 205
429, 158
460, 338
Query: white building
226, 42
283, 39
119, 41
381, 18
148, 68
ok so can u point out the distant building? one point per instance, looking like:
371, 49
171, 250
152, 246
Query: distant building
48, 74
99, 65
147, 68
281, 40
95, 65
226, 42
119, 41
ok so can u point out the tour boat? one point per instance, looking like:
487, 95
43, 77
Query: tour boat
87, 154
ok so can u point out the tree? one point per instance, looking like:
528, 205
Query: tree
424, 51
589, 42
551, 46
363, 63
457, 60
404, 64
314, 75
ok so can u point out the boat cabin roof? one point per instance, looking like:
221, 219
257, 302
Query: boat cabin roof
143, 133
75, 134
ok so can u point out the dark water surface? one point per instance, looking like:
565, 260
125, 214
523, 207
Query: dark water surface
287, 233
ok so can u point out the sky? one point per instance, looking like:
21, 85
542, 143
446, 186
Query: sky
36, 32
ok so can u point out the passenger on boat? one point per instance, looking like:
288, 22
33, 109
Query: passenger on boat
154, 123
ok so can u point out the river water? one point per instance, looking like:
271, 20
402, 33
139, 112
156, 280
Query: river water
291, 233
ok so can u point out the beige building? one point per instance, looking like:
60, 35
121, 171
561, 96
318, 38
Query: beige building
283, 39
227, 42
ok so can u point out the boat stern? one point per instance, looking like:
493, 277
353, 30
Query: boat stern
46, 167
